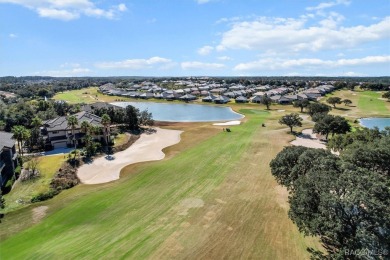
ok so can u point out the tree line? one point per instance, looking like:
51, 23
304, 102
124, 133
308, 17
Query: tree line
325, 124
344, 200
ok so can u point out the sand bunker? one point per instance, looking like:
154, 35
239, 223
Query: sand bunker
308, 139
229, 123
147, 148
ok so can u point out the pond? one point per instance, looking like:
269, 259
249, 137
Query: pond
372, 122
184, 112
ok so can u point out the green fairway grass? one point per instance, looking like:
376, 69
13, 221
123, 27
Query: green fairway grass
212, 197
370, 103
86, 95
364, 104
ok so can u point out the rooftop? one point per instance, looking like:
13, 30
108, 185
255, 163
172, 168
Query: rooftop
6, 140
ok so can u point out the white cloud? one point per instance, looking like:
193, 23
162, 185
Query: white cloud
203, 1
293, 35
57, 14
229, 20
68, 9
280, 64
76, 72
353, 74
325, 5
12, 35
332, 21
70, 65
188, 65
136, 64
225, 58
122, 7
205, 50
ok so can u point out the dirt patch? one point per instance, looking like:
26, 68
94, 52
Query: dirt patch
172, 245
188, 204
185, 224
304, 117
38, 213
220, 201
209, 216
282, 196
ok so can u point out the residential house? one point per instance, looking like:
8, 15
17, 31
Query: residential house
241, 99
98, 105
8, 157
58, 134
256, 99
187, 97
146, 95
221, 100
209, 98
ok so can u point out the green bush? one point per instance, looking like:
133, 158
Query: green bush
18, 170
45, 196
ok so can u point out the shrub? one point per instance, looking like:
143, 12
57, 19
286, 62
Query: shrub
18, 170
64, 179
8, 186
45, 196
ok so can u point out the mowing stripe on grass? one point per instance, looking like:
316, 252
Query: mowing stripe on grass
116, 221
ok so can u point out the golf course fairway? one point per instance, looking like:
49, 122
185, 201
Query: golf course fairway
212, 197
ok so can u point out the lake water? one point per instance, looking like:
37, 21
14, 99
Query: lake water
371, 122
184, 112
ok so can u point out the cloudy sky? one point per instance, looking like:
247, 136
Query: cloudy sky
195, 37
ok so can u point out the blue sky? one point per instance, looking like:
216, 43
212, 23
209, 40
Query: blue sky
195, 37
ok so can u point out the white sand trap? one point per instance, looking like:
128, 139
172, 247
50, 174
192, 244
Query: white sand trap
147, 148
229, 123
281, 110
308, 139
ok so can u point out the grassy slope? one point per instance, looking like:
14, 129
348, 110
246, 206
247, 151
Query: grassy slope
244, 213
87, 95
121, 139
26, 190
364, 104
369, 103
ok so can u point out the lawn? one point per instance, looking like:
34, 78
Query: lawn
24, 191
370, 103
86, 95
364, 104
212, 197
121, 139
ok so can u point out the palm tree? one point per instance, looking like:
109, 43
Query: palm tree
36, 123
26, 134
72, 123
106, 121
18, 135
85, 127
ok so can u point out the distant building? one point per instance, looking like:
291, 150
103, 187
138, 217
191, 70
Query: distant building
8, 157
98, 105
